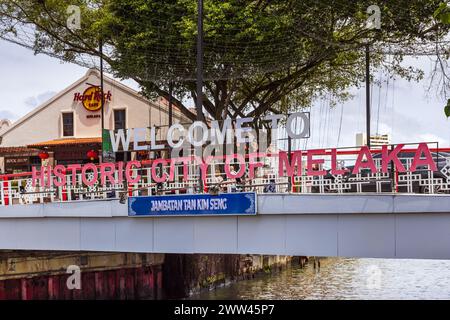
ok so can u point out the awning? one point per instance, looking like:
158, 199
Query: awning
67, 142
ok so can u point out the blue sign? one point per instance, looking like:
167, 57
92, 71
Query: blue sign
243, 203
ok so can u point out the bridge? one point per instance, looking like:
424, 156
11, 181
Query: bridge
333, 225
371, 213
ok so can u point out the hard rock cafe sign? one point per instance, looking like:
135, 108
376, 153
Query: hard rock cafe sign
91, 98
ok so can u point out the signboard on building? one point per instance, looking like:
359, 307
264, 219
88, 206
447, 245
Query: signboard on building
194, 205
108, 154
17, 161
92, 98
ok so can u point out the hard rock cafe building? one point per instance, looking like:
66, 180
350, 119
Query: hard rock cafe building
67, 128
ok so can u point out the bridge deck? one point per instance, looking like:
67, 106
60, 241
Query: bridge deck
270, 204
353, 225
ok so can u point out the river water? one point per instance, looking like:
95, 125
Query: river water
340, 278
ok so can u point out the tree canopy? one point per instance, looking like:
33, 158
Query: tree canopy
260, 55
443, 13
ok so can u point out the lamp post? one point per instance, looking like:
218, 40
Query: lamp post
368, 95
199, 101
170, 104
102, 95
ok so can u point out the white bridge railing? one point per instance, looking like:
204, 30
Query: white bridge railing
19, 189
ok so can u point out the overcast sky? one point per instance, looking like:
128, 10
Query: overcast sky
406, 112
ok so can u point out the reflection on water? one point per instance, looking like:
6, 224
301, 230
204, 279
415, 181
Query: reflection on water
347, 279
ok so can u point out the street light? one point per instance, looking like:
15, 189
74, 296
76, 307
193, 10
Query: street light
367, 95
102, 96
199, 101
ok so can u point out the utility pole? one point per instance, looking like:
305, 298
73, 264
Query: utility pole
199, 104
170, 112
170, 104
102, 93
368, 95
199, 101
289, 147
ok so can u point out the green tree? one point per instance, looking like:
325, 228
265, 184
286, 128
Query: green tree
260, 56
443, 13
447, 108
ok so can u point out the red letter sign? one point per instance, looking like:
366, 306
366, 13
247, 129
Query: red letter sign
367, 164
428, 161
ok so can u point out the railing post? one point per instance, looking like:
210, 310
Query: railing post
5, 198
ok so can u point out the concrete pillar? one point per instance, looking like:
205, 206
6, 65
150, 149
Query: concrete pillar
157, 282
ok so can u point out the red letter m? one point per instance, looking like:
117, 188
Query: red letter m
284, 165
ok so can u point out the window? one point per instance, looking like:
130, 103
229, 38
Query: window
119, 119
68, 124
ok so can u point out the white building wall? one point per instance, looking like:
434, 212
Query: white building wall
45, 122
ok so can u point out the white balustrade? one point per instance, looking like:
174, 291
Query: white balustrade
20, 190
